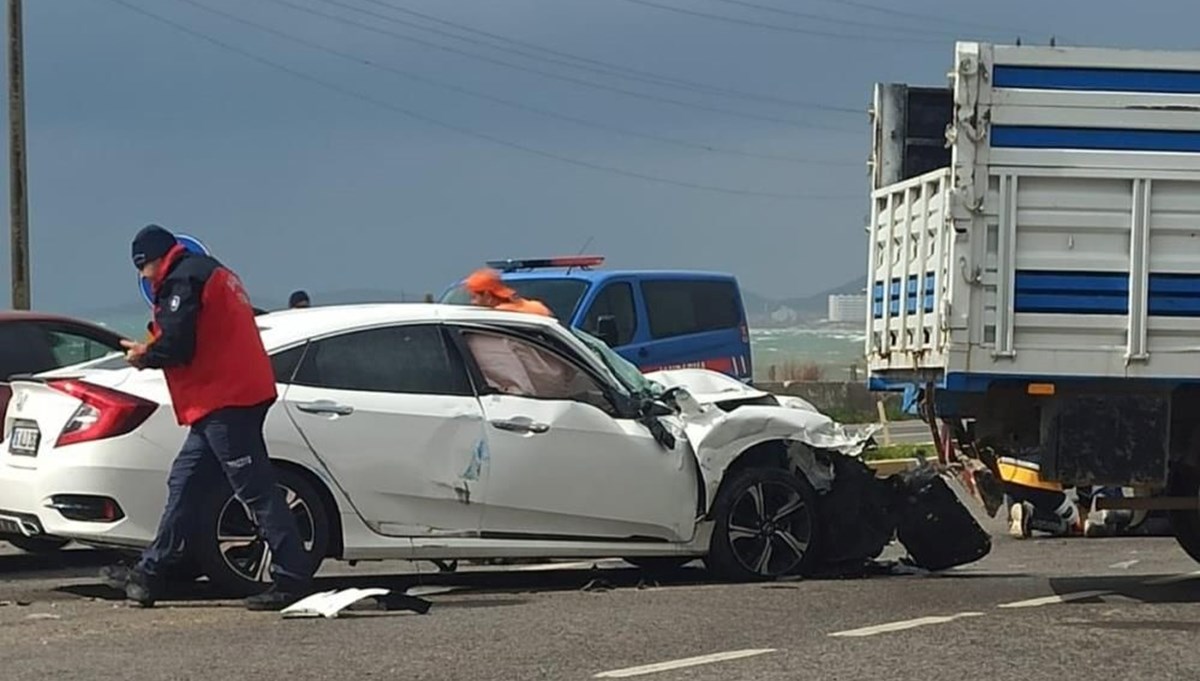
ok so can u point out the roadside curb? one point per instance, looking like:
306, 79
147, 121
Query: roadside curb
888, 467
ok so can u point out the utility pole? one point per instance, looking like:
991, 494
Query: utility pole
18, 201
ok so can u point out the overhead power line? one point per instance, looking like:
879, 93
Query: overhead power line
502, 100
817, 33
615, 69
468, 132
548, 74
832, 20
927, 18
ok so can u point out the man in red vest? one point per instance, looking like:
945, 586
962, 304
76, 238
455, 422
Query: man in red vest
221, 382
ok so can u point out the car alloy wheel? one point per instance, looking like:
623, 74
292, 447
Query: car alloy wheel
242, 546
766, 526
231, 550
769, 529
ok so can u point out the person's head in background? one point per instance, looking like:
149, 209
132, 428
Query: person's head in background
299, 299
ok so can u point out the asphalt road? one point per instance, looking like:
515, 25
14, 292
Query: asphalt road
1127, 606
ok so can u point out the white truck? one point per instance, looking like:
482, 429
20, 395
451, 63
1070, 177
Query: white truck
1034, 280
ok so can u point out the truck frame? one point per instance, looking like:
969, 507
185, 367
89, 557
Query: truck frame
1041, 292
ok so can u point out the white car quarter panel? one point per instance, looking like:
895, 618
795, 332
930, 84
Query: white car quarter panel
587, 475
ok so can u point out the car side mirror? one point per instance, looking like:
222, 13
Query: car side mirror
606, 330
658, 409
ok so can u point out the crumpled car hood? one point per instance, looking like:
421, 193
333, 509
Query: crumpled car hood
720, 436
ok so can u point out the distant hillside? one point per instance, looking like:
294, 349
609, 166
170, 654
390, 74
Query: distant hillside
764, 311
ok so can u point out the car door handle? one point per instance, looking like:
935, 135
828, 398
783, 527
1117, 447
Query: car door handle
325, 407
521, 425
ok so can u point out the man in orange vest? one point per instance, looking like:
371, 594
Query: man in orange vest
487, 289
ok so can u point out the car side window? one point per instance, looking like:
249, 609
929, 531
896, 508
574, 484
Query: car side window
680, 308
395, 359
616, 301
24, 349
512, 366
72, 348
286, 362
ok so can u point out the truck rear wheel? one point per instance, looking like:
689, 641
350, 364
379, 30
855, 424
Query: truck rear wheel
1184, 481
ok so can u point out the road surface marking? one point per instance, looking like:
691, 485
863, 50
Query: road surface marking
1052, 600
681, 664
904, 624
1124, 565
1173, 579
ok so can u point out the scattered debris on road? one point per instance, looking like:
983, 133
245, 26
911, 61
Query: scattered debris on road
330, 604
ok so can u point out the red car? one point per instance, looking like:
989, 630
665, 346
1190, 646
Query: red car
31, 343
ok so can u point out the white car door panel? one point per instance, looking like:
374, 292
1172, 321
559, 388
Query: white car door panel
406, 443
578, 472
406, 461
562, 464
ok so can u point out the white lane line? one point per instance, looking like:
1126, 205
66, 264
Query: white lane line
681, 664
1052, 600
1172, 579
1124, 565
905, 624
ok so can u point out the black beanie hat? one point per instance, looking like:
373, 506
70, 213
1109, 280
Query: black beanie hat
150, 244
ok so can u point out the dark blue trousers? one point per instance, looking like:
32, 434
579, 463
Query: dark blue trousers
227, 443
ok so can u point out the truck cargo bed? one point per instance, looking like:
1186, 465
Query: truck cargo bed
1064, 238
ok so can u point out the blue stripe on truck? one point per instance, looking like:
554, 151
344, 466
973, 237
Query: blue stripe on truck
1096, 79
1040, 292
919, 292
1098, 139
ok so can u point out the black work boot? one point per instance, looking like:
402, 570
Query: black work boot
279, 596
115, 576
141, 588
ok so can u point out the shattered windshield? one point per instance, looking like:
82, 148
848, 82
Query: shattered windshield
562, 296
625, 371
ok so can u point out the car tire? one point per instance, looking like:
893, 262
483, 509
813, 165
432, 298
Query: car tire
657, 565
1184, 481
38, 545
766, 526
233, 555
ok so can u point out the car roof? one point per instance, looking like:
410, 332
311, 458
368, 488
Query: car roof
595, 275
7, 316
287, 327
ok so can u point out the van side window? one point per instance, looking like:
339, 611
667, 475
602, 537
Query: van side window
615, 300
679, 308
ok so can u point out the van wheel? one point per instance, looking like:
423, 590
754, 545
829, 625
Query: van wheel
1184, 481
230, 548
766, 526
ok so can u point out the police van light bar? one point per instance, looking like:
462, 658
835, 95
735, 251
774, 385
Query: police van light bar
581, 261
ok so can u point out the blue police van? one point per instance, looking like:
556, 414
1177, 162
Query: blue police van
657, 320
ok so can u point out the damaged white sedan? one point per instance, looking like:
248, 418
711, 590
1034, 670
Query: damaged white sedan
441, 433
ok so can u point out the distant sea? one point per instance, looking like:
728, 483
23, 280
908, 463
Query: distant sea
833, 349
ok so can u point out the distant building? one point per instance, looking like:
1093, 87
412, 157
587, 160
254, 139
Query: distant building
848, 309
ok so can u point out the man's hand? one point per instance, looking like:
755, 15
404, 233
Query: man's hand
135, 352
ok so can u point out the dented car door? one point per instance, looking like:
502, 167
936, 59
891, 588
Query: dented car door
563, 462
391, 413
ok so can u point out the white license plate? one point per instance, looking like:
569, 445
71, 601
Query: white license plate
24, 440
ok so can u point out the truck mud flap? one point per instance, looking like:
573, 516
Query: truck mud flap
936, 528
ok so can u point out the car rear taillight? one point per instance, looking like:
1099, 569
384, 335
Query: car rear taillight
104, 413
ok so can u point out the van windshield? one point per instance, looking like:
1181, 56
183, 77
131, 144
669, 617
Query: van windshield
562, 296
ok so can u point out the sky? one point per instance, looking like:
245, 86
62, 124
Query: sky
355, 145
